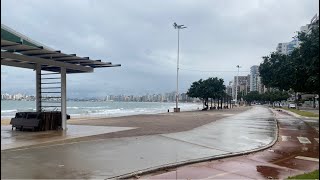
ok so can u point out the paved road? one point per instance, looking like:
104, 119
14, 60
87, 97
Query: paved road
107, 158
296, 152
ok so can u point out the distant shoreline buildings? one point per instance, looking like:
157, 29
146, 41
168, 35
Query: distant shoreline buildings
166, 97
17, 96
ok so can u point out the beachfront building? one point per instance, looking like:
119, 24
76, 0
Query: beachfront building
243, 85
254, 80
308, 27
286, 48
51, 68
229, 89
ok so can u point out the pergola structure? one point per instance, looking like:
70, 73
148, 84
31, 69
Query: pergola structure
18, 50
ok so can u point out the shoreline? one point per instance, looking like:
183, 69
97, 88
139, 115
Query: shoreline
94, 112
88, 120
6, 120
149, 124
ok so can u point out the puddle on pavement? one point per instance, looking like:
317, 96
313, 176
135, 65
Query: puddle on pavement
268, 172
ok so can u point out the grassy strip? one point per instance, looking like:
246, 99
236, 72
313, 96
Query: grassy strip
302, 113
312, 175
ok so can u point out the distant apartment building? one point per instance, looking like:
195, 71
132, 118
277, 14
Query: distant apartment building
287, 47
229, 89
255, 80
254, 74
308, 27
243, 85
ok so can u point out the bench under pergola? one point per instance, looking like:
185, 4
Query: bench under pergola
17, 50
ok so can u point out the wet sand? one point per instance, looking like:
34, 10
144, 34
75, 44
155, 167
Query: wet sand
158, 123
151, 124
148, 124
5, 121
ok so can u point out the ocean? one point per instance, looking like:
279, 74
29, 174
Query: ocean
79, 109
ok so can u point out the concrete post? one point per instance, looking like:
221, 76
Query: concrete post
38, 87
64, 97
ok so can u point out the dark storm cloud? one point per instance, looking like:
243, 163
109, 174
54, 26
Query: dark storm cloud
139, 35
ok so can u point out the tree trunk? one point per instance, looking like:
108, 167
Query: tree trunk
314, 101
211, 103
295, 99
206, 103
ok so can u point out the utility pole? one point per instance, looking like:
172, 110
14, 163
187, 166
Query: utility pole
178, 27
237, 82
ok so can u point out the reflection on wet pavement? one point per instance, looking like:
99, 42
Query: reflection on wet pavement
15, 139
291, 155
107, 158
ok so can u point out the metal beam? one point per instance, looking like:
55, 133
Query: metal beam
42, 61
17, 64
101, 66
53, 55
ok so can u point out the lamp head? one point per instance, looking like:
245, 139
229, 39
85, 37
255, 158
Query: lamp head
175, 25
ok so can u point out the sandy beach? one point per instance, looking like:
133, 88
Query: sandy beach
150, 124
158, 123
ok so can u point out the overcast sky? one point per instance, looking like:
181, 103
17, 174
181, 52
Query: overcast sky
138, 34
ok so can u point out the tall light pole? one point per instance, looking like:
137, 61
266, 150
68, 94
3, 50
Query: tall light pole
178, 27
237, 82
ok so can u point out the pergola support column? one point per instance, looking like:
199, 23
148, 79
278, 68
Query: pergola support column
38, 87
64, 97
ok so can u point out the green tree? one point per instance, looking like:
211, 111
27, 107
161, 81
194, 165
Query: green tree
205, 89
277, 71
299, 70
306, 58
252, 96
271, 97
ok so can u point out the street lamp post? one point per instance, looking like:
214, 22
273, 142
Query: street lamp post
237, 82
178, 27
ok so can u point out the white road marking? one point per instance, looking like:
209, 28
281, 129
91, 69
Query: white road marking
307, 158
317, 139
285, 138
221, 174
289, 129
304, 140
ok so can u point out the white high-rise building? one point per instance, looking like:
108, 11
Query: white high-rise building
242, 85
308, 27
287, 47
254, 80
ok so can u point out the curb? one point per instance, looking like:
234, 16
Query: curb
182, 163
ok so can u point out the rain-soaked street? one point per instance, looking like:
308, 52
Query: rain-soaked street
106, 158
296, 152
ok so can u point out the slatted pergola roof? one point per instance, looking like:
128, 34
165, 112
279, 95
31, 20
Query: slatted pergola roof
19, 51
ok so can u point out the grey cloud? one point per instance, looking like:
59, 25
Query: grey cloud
139, 35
